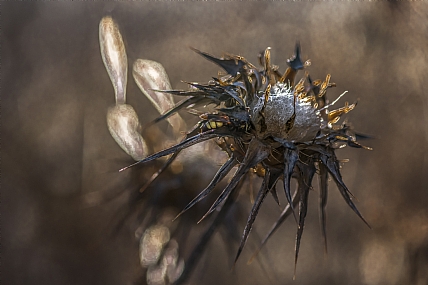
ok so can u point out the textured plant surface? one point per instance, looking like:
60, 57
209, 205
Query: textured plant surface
267, 123
263, 119
62, 194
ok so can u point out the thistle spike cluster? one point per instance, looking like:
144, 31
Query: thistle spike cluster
266, 121
273, 123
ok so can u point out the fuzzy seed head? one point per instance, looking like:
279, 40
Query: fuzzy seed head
278, 112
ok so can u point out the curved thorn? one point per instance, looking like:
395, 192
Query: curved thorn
275, 196
182, 145
264, 190
284, 215
275, 174
221, 173
180, 105
231, 66
323, 202
182, 92
191, 133
290, 158
157, 173
257, 152
226, 192
203, 241
305, 180
333, 168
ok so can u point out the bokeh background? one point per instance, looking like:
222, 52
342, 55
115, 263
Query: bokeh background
56, 149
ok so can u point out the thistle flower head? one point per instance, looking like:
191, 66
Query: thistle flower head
267, 122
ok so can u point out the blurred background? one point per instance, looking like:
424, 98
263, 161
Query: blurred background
59, 166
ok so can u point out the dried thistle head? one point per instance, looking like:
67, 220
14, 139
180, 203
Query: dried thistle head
267, 121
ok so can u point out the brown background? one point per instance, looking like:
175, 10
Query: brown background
56, 147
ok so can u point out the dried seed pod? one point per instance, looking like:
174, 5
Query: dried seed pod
151, 76
124, 127
114, 57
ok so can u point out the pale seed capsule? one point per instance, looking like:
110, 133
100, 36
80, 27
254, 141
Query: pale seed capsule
149, 76
114, 57
123, 124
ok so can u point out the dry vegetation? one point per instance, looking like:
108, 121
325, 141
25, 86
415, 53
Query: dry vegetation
58, 157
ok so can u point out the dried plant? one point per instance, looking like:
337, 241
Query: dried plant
266, 121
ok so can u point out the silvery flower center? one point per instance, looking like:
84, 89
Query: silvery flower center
279, 110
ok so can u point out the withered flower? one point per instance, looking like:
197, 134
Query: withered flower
270, 124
